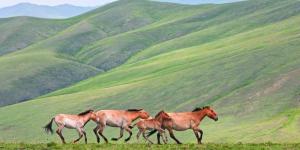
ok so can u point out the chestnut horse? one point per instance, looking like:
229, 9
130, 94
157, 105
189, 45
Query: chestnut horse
187, 120
72, 122
150, 124
117, 118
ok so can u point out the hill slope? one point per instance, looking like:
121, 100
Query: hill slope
240, 58
43, 11
58, 41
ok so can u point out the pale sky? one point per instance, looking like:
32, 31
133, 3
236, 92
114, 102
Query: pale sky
93, 3
4, 3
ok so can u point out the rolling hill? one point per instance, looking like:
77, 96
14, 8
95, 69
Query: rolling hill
43, 11
241, 58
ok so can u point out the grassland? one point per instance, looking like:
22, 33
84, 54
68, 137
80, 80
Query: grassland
240, 58
50, 146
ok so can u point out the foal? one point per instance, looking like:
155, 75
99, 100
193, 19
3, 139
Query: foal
155, 123
117, 118
72, 122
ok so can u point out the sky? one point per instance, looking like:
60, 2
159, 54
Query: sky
5, 3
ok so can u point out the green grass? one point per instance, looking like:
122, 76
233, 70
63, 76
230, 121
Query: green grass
240, 58
265, 146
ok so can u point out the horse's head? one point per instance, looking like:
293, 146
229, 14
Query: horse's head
210, 113
143, 114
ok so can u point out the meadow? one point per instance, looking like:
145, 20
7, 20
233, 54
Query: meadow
239, 146
240, 58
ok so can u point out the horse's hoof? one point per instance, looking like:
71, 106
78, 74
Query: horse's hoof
126, 140
114, 139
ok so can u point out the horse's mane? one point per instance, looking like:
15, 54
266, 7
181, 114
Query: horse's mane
134, 109
199, 108
159, 113
85, 112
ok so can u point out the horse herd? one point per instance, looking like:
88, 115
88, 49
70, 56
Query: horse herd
179, 121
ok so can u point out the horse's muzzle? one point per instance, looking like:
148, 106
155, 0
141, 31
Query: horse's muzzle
216, 119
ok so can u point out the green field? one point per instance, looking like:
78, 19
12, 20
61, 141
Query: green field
50, 146
240, 58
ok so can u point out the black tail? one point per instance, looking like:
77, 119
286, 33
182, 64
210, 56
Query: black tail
48, 127
151, 132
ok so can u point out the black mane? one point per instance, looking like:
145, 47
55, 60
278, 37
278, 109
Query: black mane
159, 113
134, 109
199, 108
85, 112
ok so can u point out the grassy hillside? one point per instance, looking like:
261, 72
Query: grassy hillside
52, 61
240, 58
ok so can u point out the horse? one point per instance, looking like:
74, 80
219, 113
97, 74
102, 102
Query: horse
117, 118
187, 120
72, 122
152, 123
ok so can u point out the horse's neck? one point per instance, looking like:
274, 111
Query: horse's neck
86, 118
133, 116
201, 114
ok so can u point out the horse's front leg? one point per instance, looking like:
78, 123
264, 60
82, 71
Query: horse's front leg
95, 131
100, 131
121, 134
80, 135
130, 133
196, 131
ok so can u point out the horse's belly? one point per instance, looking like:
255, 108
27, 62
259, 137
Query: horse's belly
71, 124
113, 123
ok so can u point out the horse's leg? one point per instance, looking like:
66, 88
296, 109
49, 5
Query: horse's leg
173, 136
58, 131
144, 135
121, 135
80, 135
197, 136
158, 138
96, 133
85, 138
201, 135
130, 133
161, 133
138, 134
100, 131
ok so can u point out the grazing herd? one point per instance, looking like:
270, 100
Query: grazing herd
179, 121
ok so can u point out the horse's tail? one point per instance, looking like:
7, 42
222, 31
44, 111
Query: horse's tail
48, 127
132, 126
151, 132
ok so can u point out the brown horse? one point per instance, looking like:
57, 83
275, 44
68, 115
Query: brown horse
117, 118
72, 122
150, 124
187, 120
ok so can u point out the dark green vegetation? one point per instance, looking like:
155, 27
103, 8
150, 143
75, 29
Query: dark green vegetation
241, 58
50, 146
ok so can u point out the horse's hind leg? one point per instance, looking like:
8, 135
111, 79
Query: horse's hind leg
121, 135
96, 133
173, 136
59, 132
80, 135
